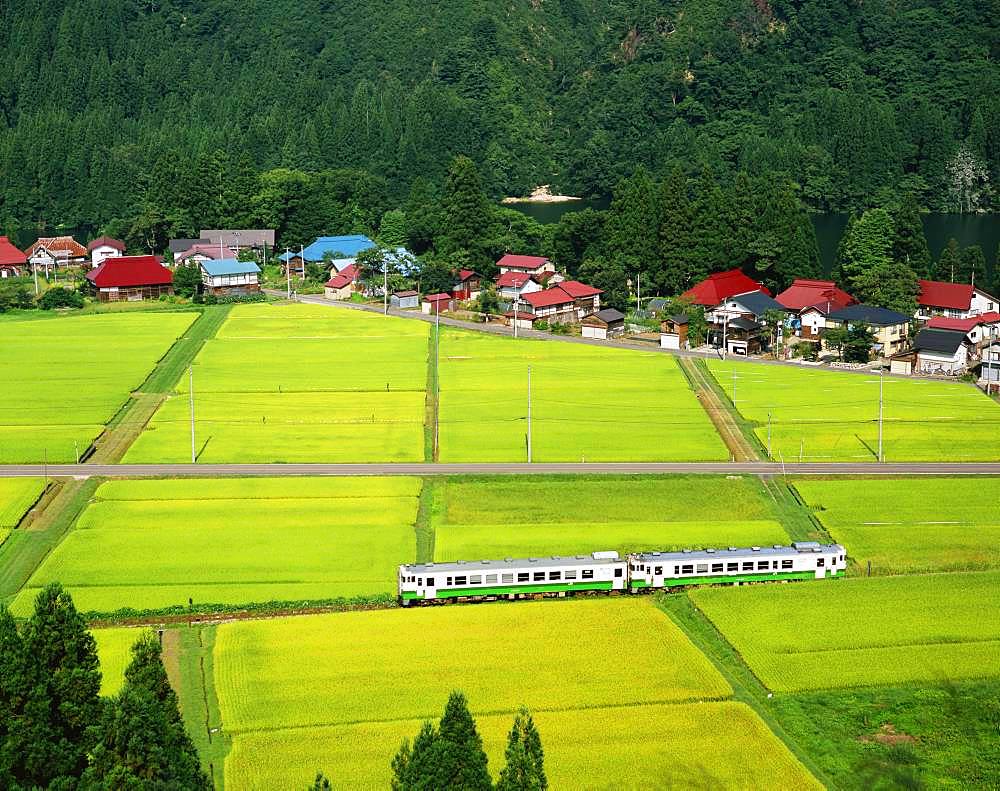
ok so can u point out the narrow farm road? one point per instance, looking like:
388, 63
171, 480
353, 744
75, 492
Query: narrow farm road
718, 412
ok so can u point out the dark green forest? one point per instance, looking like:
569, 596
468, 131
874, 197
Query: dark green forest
183, 108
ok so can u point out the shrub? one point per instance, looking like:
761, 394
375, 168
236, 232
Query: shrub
60, 297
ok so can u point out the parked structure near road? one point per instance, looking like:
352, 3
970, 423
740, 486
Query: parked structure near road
131, 279
674, 332
607, 323
13, 263
230, 277
953, 300
435, 304
104, 247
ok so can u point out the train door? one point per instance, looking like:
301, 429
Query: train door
820, 567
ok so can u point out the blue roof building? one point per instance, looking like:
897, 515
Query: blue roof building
344, 246
229, 266
229, 277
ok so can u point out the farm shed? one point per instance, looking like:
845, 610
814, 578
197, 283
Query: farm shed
131, 278
230, 277
405, 300
604, 324
468, 286
437, 303
674, 332
940, 351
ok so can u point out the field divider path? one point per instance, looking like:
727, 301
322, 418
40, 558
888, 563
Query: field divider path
721, 415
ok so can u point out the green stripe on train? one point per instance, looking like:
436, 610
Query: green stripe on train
493, 591
788, 575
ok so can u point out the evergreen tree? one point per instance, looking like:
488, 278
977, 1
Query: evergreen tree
415, 769
392, 229
865, 248
13, 691
423, 216
910, 244
321, 783
466, 212
143, 742
675, 251
631, 233
62, 708
972, 266
524, 769
577, 236
709, 231
460, 759
610, 276
949, 264
187, 279
891, 285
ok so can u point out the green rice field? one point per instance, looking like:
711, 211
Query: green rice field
862, 632
292, 383
699, 745
114, 647
831, 416
587, 403
65, 378
906, 525
533, 517
152, 545
17, 495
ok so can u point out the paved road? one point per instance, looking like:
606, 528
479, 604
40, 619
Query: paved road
277, 470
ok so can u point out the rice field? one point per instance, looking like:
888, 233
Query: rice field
533, 517
114, 650
292, 383
718, 745
17, 495
157, 544
904, 526
65, 378
587, 403
831, 416
863, 632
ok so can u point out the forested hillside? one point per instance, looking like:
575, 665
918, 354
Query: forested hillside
112, 108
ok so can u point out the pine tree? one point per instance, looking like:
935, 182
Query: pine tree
524, 770
675, 252
949, 264
62, 709
972, 265
631, 233
13, 691
910, 244
460, 759
415, 768
466, 212
143, 742
865, 248
709, 230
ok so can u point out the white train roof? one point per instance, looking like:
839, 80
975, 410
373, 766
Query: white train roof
797, 547
511, 563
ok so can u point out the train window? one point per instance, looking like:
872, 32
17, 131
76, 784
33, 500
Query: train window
677, 570
491, 579
786, 564
449, 581
460, 580
763, 565
570, 575
523, 576
748, 566
587, 574
475, 579
732, 567
506, 577
658, 570
687, 569
420, 581
554, 575
774, 565
430, 582
716, 567
820, 562
618, 572
539, 576
702, 568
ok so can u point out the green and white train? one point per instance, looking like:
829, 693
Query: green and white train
513, 578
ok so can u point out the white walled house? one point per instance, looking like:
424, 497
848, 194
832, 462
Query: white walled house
229, 277
940, 352
953, 300
516, 284
104, 247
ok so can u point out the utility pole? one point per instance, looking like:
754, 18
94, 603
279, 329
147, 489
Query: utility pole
191, 405
385, 288
437, 379
768, 435
638, 302
302, 258
288, 271
802, 448
529, 414
881, 379
34, 271
734, 386
517, 301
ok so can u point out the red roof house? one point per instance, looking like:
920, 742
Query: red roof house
578, 290
469, 284
570, 300
106, 241
534, 264
717, 288
549, 298
341, 285
131, 278
12, 260
824, 295
512, 279
954, 300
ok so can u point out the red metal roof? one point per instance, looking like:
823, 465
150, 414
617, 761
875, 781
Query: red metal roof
521, 315
963, 325
106, 241
718, 287
513, 279
548, 297
577, 289
465, 274
936, 294
130, 270
438, 298
529, 262
344, 278
10, 255
66, 245
821, 294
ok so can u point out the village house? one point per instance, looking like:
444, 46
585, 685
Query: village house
952, 300
469, 285
989, 369
978, 329
242, 238
891, 329
527, 264
130, 278
810, 302
50, 252
607, 323
718, 287
13, 263
341, 285
674, 332
738, 324
436, 304
230, 277
566, 303
934, 352
516, 284
178, 246
405, 300
336, 247
104, 247
587, 299
199, 253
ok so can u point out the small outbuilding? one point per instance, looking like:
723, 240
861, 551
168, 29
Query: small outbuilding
607, 323
674, 332
405, 300
437, 303
13, 263
341, 286
131, 278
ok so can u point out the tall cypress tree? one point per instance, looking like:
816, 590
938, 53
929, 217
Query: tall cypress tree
910, 244
949, 265
467, 212
709, 229
676, 274
972, 265
866, 247
62, 708
13, 691
631, 231
461, 761
524, 770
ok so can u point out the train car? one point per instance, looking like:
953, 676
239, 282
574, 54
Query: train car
802, 560
512, 578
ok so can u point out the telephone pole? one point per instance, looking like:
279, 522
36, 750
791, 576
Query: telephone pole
288, 271
769, 436
881, 379
516, 302
734, 385
191, 404
529, 414
385, 288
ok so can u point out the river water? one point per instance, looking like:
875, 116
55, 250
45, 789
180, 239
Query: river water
968, 229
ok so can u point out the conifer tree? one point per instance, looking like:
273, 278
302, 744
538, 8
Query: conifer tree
524, 769
709, 229
466, 212
866, 246
631, 233
910, 245
949, 264
461, 761
13, 690
972, 266
675, 252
